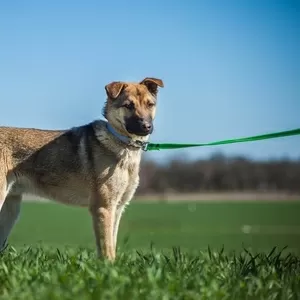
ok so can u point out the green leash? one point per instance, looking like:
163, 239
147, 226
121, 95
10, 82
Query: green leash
153, 146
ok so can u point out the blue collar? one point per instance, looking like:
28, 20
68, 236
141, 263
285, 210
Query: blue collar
127, 140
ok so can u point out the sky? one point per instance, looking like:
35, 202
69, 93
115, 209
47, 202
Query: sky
230, 68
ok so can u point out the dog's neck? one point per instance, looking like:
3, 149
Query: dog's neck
137, 143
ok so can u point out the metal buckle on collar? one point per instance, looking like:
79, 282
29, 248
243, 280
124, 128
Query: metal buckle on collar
140, 144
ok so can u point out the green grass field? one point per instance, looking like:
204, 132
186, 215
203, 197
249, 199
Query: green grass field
61, 262
191, 226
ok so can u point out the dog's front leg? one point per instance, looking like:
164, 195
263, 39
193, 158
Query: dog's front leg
119, 211
120, 208
103, 215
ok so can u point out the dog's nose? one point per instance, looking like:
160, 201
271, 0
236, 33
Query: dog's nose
146, 126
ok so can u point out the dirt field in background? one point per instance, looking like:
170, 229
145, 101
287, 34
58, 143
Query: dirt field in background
213, 196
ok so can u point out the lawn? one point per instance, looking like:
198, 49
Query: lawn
52, 253
191, 226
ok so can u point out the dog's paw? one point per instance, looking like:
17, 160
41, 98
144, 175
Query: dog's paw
3, 246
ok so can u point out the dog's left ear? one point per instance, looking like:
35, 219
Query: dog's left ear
152, 84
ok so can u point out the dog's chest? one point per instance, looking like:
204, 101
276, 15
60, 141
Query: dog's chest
119, 180
129, 159
120, 176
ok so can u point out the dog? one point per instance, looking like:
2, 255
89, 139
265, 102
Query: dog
94, 166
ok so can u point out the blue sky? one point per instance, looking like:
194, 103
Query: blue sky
230, 68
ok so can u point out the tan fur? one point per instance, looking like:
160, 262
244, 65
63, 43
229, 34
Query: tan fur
85, 166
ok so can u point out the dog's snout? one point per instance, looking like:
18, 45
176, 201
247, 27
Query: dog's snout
139, 126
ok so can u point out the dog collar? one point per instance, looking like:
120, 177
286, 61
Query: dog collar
127, 140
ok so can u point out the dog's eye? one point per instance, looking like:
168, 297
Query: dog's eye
150, 105
129, 105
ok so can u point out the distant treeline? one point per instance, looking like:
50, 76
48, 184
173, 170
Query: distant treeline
220, 173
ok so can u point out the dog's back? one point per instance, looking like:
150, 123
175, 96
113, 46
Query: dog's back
16, 144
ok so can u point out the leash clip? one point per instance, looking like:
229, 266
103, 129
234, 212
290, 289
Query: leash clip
142, 145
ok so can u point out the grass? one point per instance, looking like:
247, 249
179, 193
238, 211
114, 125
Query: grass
199, 251
45, 273
191, 226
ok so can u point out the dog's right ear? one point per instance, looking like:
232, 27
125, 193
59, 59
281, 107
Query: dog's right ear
114, 89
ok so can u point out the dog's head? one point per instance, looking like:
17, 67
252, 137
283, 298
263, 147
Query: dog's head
130, 107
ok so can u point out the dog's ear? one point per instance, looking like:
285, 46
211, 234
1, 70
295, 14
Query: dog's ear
152, 84
114, 89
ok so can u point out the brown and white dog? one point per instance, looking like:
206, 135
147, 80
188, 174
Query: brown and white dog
94, 165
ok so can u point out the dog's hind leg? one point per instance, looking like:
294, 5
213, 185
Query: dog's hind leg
8, 217
3, 191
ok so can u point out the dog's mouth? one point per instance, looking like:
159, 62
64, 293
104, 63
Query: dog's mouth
139, 133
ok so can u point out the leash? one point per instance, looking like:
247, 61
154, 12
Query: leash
165, 146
